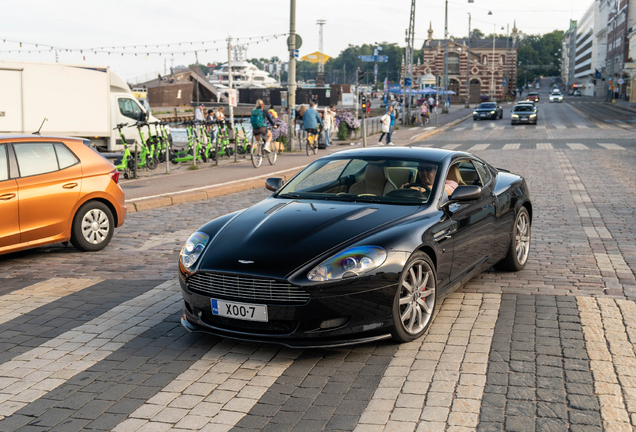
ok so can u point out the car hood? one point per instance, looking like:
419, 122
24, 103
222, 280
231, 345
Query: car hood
276, 237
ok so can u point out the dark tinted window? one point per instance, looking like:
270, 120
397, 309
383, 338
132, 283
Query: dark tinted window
4, 163
487, 105
35, 158
523, 108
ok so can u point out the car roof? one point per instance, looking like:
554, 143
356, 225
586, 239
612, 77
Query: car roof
34, 137
423, 153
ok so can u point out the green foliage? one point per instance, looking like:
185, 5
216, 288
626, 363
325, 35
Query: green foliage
542, 51
478, 33
343, 131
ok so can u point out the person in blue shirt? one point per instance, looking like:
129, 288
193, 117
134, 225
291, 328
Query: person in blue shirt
311, 119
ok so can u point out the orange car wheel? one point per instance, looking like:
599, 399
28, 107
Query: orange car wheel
93, 226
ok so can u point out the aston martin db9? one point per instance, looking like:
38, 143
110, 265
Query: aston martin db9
359, 246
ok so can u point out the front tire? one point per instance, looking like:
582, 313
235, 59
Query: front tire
93, 227
519, 248
415, 299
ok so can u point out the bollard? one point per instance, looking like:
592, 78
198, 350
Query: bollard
167, 154
216, 147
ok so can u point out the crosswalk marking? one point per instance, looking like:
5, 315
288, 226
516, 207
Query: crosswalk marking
561, 127
611, 146
577, 146
451, 146
581, 126
479, 147
32, 297
479, 128
544, 146
49, 365
459, 128
511, 147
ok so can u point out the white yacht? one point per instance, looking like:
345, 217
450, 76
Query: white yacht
244, 75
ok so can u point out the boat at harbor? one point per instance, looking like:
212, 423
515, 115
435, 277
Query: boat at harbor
244, 75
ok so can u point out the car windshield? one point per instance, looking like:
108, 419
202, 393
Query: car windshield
487, 106
365, 179
533, 94
523, 108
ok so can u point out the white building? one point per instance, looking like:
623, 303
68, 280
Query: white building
586, 50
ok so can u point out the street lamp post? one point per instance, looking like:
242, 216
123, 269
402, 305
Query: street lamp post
492, 75
468, 64
445, 74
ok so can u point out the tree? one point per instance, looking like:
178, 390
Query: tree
478, 33
538, 55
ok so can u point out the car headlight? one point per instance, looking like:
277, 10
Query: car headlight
492, 112
533, 115
474, 112
351, 262
193, 249
515, 116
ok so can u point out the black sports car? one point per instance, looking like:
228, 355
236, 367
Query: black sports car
488, 110
358, 246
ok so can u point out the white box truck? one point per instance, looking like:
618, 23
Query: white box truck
78, 101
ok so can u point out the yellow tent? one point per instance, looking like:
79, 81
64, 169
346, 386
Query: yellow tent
315, 57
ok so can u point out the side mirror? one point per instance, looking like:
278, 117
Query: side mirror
274, 183
466, 193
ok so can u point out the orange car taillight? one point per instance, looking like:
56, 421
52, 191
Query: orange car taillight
115, 176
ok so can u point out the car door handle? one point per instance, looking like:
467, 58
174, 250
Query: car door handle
69, 185
7, 197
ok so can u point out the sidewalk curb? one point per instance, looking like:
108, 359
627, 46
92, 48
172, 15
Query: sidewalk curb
212, 191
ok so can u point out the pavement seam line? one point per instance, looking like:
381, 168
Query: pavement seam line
605, 338
28, 299
595, 230
217, 391
44, 368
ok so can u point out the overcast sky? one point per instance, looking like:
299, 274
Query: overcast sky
86, 24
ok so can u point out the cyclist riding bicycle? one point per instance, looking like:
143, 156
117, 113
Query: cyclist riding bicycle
311, 120
259, 127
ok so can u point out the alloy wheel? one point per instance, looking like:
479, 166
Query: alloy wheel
522, 238
417, 297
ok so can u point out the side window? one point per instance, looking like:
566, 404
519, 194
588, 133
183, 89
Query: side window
4, 163
467, 173
354, 167
35, 158
129, 108
64, 156
484, 173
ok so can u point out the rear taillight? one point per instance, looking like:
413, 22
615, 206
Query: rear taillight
115, 176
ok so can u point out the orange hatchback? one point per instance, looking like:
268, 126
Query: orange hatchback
56, 190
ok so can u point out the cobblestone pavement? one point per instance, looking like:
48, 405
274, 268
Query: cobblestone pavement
93, 341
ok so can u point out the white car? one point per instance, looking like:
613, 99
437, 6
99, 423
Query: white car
556, 96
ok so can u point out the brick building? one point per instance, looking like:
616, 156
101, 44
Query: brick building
481, 65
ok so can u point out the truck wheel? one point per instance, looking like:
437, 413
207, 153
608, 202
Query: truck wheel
93, 226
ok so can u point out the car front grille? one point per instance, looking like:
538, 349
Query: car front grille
246, 288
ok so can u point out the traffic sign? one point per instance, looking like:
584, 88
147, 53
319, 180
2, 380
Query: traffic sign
408, 82
374, 58
621, 81
295, 53
505, 82
299, 41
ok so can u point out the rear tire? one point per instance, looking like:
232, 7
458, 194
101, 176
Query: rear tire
257, 158
93, 227
519, 248
151, 163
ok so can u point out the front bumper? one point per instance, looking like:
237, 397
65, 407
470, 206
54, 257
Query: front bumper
364, 311
486, 117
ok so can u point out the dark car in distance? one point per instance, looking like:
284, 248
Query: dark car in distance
357, 247
524, 114
488, 110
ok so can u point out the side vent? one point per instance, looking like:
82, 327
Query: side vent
276, 207
362, 214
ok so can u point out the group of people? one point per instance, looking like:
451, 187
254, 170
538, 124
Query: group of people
308, 118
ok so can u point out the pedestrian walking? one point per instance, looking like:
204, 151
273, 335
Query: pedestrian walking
329, 118
199, 113
220, 115
388, 122
424, 115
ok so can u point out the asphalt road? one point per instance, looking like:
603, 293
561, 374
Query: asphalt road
91, 341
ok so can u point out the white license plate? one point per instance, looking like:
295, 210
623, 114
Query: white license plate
483, 115
242, 311
524, 119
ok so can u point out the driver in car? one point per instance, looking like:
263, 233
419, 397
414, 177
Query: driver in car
426, 178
